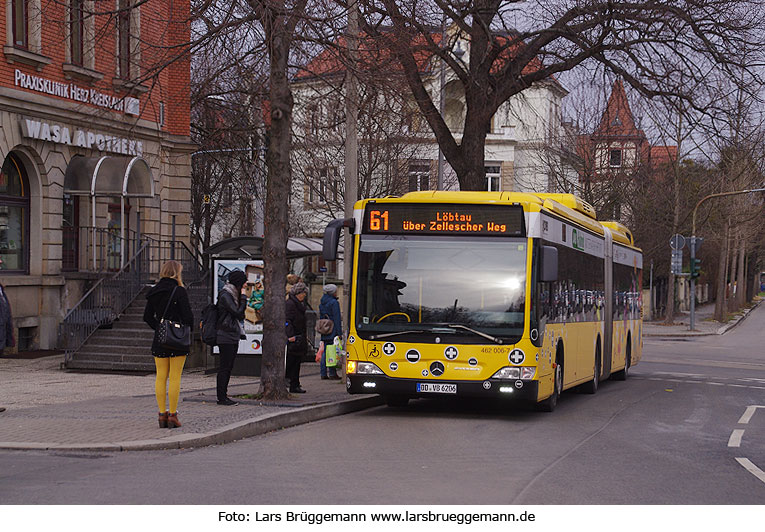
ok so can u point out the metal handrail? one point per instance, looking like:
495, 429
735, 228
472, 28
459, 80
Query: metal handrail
101, 305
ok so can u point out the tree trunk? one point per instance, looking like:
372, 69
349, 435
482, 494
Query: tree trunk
741, 277
733, 271
278, 187
722, 274
470, 166
670, 310
670, 318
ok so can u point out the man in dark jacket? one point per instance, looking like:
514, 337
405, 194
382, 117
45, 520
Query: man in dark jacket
297, 342
329, 308
232, 302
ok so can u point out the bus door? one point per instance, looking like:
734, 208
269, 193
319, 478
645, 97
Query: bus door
608, 317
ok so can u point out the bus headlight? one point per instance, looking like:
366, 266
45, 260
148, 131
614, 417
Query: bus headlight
515, 373
528, 373
362, 368
507, 373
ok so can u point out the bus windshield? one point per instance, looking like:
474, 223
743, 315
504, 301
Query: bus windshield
427, 283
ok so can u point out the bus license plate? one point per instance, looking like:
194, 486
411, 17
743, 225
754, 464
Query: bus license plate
436, 387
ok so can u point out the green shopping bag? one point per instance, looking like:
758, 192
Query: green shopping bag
330, 352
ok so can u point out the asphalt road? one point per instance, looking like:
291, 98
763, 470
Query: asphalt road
683, 429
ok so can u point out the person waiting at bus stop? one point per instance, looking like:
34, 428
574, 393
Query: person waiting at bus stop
297, 342
232, 302
329, 308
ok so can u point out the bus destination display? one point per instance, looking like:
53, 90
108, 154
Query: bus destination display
443, 219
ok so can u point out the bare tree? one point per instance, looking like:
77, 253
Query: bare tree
735, 141
514, 44
280, 20
388, 142
251, 38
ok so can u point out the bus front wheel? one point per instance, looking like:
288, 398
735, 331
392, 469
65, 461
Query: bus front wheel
549, 404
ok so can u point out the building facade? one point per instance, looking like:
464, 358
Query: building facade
94, 138
398, 152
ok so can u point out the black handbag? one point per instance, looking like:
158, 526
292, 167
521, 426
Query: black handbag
171, 334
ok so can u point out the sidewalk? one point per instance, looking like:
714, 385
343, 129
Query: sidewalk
50, 409
705, 324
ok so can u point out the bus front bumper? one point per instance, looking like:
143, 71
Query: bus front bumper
521, 390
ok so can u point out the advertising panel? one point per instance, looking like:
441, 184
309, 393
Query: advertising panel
253, 315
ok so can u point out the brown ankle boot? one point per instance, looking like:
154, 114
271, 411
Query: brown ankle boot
172, 420
163, 420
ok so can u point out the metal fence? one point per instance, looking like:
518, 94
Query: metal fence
95, 249
99, 250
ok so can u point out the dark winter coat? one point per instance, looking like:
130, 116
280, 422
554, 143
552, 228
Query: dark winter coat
178, 311
329, 308
230, 314
294, 313
6, 322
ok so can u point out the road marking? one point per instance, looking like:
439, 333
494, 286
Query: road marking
687, 381
706, 363
753, 469
735, 438
748, 413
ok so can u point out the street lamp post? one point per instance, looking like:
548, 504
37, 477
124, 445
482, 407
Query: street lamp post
441, 107
693, 242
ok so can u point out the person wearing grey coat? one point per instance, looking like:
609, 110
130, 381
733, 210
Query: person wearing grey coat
232, 303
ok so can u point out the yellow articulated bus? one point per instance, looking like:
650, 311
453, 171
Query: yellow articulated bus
488, 294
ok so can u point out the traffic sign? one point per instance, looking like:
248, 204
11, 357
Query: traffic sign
677, 241
677, 261
206, 198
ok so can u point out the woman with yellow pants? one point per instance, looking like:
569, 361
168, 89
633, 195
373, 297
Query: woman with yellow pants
169, 299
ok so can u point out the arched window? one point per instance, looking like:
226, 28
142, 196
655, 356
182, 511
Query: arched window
14, 216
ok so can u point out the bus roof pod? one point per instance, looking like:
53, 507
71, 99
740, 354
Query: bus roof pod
575, 203
575, 216
620, 233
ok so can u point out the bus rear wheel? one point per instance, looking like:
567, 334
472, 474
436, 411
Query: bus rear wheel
623, 374
592, 386
396, 401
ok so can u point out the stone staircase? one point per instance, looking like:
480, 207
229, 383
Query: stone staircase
124, 347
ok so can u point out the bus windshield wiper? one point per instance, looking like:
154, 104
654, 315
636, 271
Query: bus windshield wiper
474, 331
416, 331
386, 335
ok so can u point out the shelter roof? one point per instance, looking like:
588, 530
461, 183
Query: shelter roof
251, 247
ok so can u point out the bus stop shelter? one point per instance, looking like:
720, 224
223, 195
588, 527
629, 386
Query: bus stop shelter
246, 254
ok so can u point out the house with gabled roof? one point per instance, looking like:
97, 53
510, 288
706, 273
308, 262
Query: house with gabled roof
618, 151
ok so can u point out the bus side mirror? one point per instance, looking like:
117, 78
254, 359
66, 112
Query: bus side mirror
332, 237
549, 266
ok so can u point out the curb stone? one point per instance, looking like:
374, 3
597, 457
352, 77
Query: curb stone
720, 330
236, 431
